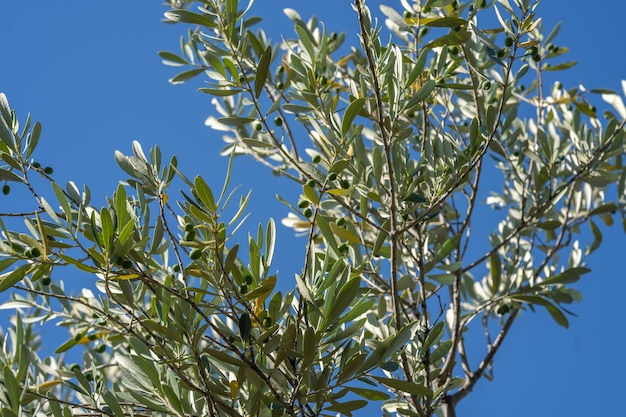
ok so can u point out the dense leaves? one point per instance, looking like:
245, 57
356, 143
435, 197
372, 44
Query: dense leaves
404, 140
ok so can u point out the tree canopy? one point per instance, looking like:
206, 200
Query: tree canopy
398, 143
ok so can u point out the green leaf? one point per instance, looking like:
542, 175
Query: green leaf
446, 248
370, 394
186, 76
185, 16
112, 402
170, 58
418, 68
559, 67
404, 386
9, 176
342, 299
568, 277
9, 279
422, 94
262, 71
553, 310
484, 39
235, 121
351, 112
495, 267
222, 92
204, 193
339, 166
348, 407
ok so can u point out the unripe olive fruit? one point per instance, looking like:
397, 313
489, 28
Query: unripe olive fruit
323, 80
308, 212
78, 336
48, 170
176, 268
258, 127
267, 321
536, 57
92, 336
317, 159
100, 348
486, 85
74, 366
36, 165
6, 189
127, 264
195, 254
89, 376
280, 85
341, 221
34, 252
303, 204
278, 121
45, 280
509, 41
188, 227
248, 279
500, 53
345, 184
311, 183
281, 69
533, 50
243, 288
190, 236
332, 176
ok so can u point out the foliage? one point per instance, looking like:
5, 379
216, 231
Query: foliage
393, 145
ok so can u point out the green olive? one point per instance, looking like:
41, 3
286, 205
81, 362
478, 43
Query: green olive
100, 348
188, 227
317, 159
195, 253
48, 170
278, 121
45, 280
6, 189
258, 127
243, 288
267, 322
303, 204
308, 212
190, 236
248, 279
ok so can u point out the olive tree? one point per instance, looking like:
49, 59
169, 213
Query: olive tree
400, 144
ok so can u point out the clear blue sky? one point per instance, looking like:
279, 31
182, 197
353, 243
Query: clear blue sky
90, 73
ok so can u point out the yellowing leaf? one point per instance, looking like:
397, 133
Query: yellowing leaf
263, 291
48, 384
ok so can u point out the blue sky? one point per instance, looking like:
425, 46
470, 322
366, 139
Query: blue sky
90, 73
